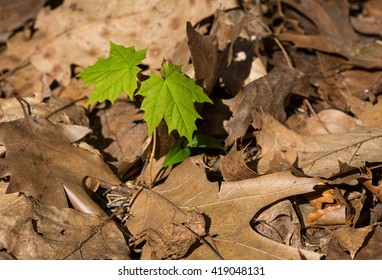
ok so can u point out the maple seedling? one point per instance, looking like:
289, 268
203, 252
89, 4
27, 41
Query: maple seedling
170, 97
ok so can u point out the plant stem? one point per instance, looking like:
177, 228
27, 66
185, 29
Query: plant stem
151, 159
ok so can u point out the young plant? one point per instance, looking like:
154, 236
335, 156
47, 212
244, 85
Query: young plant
170, 97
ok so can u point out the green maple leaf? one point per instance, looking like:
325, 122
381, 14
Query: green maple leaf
115, 74
172, 97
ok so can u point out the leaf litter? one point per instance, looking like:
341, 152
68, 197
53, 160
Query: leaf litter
296, 95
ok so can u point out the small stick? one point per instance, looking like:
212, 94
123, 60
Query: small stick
152, 154
66, 106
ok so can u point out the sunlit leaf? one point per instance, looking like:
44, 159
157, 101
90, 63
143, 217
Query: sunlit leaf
115, 74
172, 97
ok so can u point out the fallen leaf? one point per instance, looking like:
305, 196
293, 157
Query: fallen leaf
370, 250
42, 162
329, 216
330, 121
240, 33
14, 14
25, 81
360, 83
336, 35
369, 114
352, 239
207, 60
123, 134
280, 223
229, 209
11, 110
267, 93
66, 33
173, 241
213, 53
233, 166
369, 21
366, 180
31, 230
317, 155
6, 256
76, 90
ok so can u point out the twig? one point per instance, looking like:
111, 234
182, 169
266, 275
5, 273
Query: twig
20, 100
11, 72
64, 107
204, 241
97, 229
316, 116
278, 43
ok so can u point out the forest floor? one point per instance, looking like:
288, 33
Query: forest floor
286, 162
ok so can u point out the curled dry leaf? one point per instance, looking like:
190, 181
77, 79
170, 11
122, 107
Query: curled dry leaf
329, 216
31, 230
366, 180
233, 166
211, 54
267, 93
230, 210
207, 60
280, 223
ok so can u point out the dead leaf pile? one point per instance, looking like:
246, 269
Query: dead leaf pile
297, 90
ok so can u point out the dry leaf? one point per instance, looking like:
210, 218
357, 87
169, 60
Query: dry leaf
42, 162
173, 241
67, 33
359, 83
11, 110
352, 239
207, 60
233, 166
366, 180
14, 14
280, 223
335, 33
230, 210
330, 121
369, 21
31, 230
211, 54
329, 216
319, 155
123, 134
369, 114
267, 93
370, 250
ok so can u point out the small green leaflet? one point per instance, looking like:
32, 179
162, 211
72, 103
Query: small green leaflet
115, 74
182, 148
172, 97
